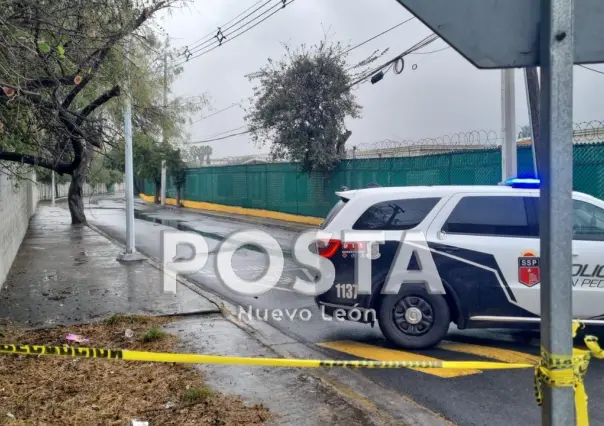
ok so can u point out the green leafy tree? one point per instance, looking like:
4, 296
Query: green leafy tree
146, 158
102, 171
177, 170
199, 155
148, 155
301, 103
61, 67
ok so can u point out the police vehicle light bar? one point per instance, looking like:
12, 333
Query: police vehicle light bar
523, 182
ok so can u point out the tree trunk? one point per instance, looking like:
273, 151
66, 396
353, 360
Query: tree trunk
341, 144
178, 195
75, 197
137, 187
157, 191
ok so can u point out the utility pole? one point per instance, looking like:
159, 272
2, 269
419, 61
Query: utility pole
130, 254
556, 207
165, 102
163, 183
52, 187
531, 81
509, 152
164, 133
543, 36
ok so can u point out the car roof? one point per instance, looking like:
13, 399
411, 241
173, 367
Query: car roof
428, 190
435, 190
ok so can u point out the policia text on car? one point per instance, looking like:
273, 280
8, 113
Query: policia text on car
586, 275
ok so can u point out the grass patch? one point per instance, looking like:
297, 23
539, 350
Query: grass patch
153, 335
117, 319
198, 394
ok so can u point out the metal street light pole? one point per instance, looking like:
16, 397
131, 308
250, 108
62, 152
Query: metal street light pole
130, 254
509, 163
556, 208
52, 187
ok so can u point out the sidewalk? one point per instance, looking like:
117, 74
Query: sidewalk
65, 276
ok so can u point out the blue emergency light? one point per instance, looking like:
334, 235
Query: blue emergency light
523, 183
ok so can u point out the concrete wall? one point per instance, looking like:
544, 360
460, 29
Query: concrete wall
45, 190
18, 202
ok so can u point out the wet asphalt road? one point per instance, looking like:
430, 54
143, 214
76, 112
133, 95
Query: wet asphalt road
469, 398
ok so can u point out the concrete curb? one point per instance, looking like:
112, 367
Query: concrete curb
385, 406
287, 226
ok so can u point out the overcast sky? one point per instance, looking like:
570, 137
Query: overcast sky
444, 95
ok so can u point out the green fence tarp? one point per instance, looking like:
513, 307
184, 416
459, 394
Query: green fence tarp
282, 187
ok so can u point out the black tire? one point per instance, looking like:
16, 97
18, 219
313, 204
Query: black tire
435, 311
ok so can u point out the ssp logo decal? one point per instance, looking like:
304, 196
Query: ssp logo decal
529, 272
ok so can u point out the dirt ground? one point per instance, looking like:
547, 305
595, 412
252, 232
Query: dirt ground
49, 390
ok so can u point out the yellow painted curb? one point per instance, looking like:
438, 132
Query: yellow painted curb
267, 214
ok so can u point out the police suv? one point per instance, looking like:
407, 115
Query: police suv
484, 241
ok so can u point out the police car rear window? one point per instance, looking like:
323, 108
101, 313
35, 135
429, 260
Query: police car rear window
333, 212
396, 215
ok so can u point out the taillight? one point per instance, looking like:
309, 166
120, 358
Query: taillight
327, 248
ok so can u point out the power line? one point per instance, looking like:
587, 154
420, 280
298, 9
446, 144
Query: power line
285, 3
219, 139
423, 43
227, 131
212, 34
430, 52
591, 69
216, 113
227, 37
376, 36
222, 34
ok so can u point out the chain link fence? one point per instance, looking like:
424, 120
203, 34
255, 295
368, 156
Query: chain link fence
472, 158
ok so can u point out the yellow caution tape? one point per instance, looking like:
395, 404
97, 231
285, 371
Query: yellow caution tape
553, 370
79, 352
568, 370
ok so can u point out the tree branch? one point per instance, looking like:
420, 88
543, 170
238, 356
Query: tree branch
76, 90
105, 97
102, 53
48, 83
61, 168
30, 95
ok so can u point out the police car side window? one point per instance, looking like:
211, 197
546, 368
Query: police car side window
494, 216
588, 221
396, 215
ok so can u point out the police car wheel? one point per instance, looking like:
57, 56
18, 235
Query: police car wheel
414, 319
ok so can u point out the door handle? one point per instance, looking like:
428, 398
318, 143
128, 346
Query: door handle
575, 254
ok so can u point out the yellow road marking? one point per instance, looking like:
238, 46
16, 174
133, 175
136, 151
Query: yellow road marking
377, 353
504, 355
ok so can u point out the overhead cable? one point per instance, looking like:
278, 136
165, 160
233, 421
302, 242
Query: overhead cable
238, 31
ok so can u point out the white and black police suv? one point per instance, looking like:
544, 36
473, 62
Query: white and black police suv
484, 241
